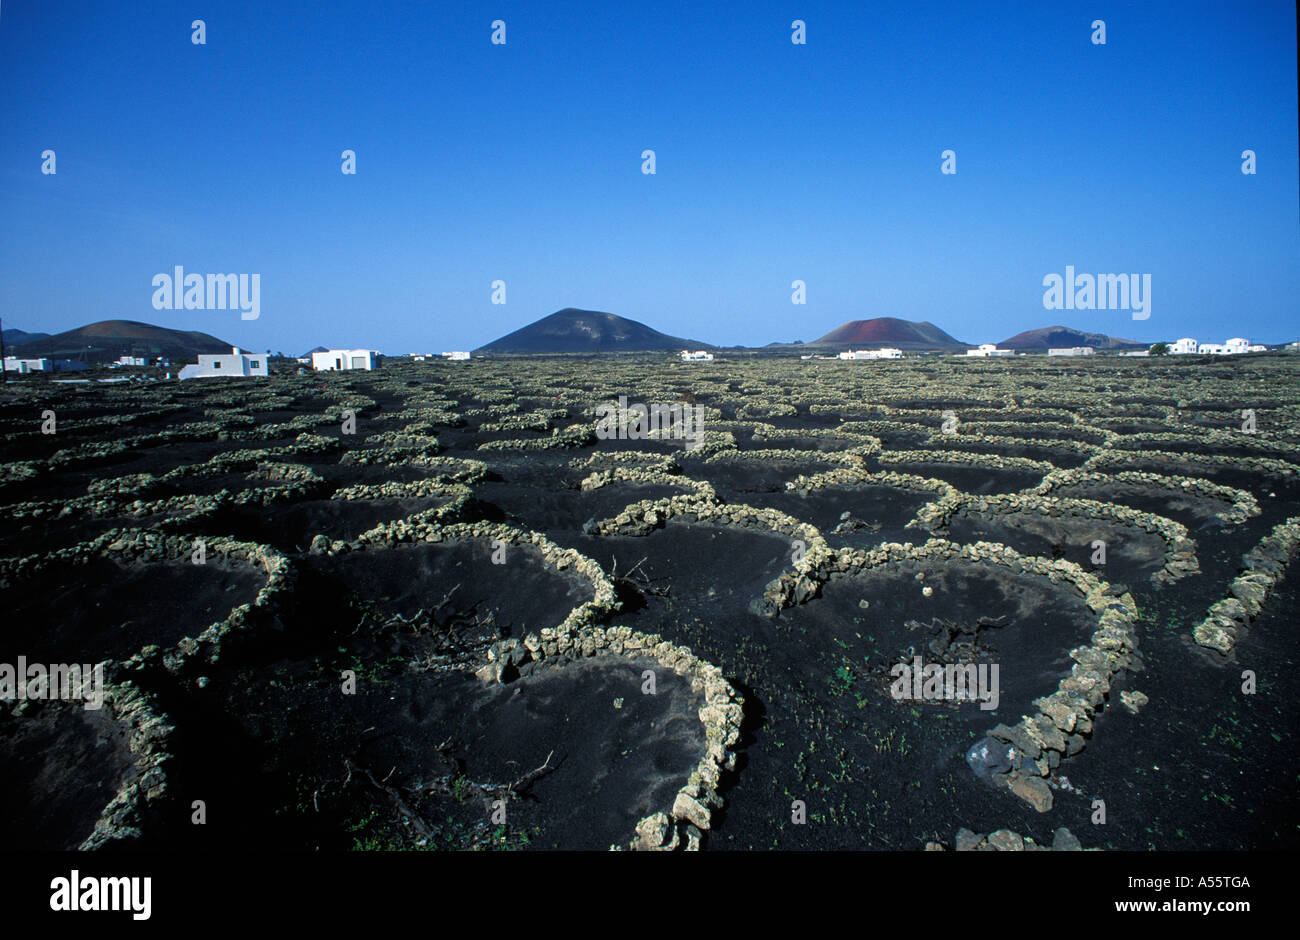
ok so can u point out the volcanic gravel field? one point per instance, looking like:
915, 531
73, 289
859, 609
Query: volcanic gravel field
437, 606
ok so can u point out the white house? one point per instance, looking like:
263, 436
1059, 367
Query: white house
1072, 351
456, 355
127, 361
23, 366
990, 349
234, 364
338, 360
1140, 353
887, 352
1184, 347
1232, 347
699, 355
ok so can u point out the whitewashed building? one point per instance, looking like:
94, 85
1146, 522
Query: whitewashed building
236, 363
339, 360
23, 366
456, 355
1072, 351
43, 364
1184, 347
990, 349
699, 355
886, 352
127, 361
1233, 347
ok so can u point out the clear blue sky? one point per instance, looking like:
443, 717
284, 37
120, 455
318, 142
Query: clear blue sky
523, 162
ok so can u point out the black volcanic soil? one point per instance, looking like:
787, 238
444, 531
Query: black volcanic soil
1191, 510
1131, 555
105, 610
982, 481
617, 754
877, 514
520, 595
292, 527
737, 480
63, 764
560, 513
285, 759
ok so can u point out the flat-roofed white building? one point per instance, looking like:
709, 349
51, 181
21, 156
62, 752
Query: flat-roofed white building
340, 360
1184, 347
24, 366
43, 364
128, 361
699, 355
990, 349
456, 355
1233, 347
236, 363
1072, 351
886, 352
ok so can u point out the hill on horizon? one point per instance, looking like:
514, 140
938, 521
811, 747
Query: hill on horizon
1060, 337
13, 337
889, 331
577, 331
106, 340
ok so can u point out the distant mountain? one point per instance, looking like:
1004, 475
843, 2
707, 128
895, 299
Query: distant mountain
889, 331
1060, 337
14, 337
315, 349
586, 331
108, 339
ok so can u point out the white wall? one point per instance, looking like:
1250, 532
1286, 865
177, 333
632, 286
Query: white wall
232, 364
334, 360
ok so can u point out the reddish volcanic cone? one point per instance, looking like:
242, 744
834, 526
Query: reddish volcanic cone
890, 331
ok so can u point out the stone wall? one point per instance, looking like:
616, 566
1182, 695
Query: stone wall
1265, 564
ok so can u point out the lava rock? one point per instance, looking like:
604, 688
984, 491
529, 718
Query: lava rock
989, 756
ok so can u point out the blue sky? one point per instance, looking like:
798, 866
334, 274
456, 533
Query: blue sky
775, 162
